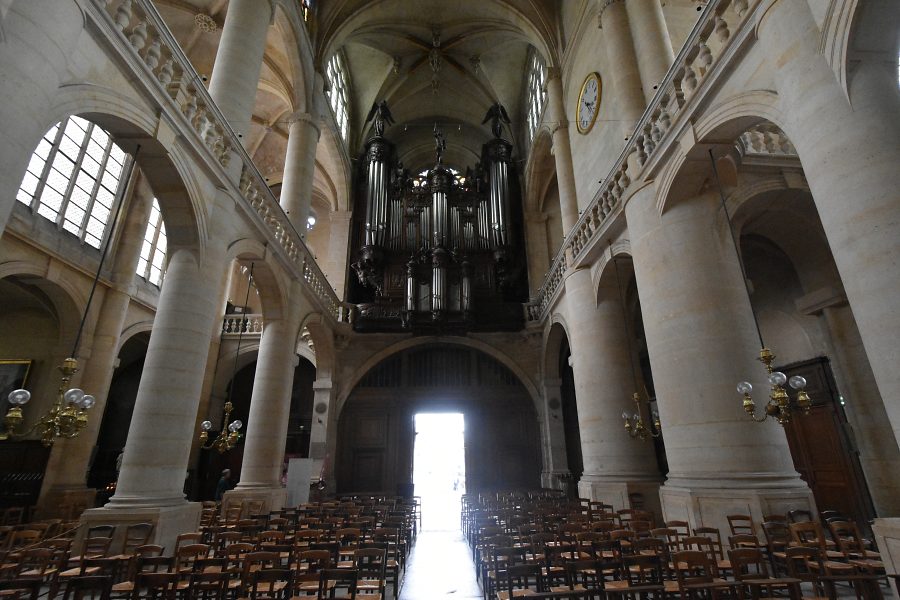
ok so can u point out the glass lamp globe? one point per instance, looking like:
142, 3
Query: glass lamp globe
87, 401
206, 425
624, 415
797, 382
777, 378
19, 397
235, 425
744, 387
74, 396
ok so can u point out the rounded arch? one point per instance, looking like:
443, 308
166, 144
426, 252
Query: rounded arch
862, 30
540, 170
688, 171
433, 340
322, 340
605, 266
66, 302
266, 275
169, 171
556, 334
133, 330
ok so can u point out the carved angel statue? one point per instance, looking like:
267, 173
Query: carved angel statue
382, 114
440, 144
497, 115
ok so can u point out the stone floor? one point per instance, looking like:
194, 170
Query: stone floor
440, 566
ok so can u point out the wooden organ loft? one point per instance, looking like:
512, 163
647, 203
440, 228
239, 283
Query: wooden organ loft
440, 251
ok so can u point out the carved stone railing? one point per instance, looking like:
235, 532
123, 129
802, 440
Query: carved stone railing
696, 63
141, 31
247, 324
766, 139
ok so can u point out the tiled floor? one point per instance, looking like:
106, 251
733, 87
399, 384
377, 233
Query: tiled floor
440, 566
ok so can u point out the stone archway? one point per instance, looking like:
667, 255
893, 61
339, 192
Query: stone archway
375, 428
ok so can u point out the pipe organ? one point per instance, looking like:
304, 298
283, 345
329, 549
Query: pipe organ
440, 250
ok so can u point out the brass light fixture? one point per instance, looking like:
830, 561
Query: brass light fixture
69, 414
230, 434
778, 406
634, 423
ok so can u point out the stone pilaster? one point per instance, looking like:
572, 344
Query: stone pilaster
553, 435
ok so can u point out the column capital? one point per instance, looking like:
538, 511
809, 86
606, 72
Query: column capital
305, 117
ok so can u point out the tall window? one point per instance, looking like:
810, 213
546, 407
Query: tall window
153, 252
339, 94
535, 96
73, 178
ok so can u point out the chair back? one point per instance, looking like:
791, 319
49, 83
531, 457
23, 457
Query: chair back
748, 563
332, 580
20, 589
88, 587
740, 524
136, 535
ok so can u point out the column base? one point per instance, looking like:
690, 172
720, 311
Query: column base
618, 493
703, 506
887, 537
168, 523
272, 498
554, 480
65, 503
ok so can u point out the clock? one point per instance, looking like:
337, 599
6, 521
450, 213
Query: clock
588, 102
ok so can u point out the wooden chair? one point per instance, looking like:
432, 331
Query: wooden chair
642, 575
307, 568
697, 577
337, 584
371, 565
155, 586
208, 585
778, 539
520, 581
89, 587
184, 539
741, 524
270, 584
715, 537
20, 589
852, 546
750, 568
810, 533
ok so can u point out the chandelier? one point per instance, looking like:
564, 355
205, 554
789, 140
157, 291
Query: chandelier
779, 404
230, 434
69, 414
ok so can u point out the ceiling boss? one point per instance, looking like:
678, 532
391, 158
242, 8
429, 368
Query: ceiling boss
588, 102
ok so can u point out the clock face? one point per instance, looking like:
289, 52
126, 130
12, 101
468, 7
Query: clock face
588, 103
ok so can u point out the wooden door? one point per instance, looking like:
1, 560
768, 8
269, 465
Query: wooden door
822, 448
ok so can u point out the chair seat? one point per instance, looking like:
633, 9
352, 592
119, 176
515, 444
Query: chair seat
505, 595
76, 571
564, 588
123, 586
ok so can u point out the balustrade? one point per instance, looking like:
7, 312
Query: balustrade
708, 42
140, 29
246, 324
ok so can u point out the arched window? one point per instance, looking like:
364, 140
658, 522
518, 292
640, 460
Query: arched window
339, 93
73, 178
153, 251
535, 96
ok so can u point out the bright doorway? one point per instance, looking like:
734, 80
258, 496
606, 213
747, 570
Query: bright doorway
439, 468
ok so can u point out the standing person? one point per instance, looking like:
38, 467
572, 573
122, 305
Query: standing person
224, 484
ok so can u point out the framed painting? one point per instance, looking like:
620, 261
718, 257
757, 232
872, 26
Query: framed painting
13, 375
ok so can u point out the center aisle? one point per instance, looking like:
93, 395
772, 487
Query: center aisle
440, 566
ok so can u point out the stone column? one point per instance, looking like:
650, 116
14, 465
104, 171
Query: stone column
38, 37
538, 253
67, 469
562, 150
651, 43
151, 481
614, 464
235, 75
553, 436
702, 342
850, 153
625, 77
299, 169
270, 407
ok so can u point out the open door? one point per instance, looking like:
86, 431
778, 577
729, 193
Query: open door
822, 446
